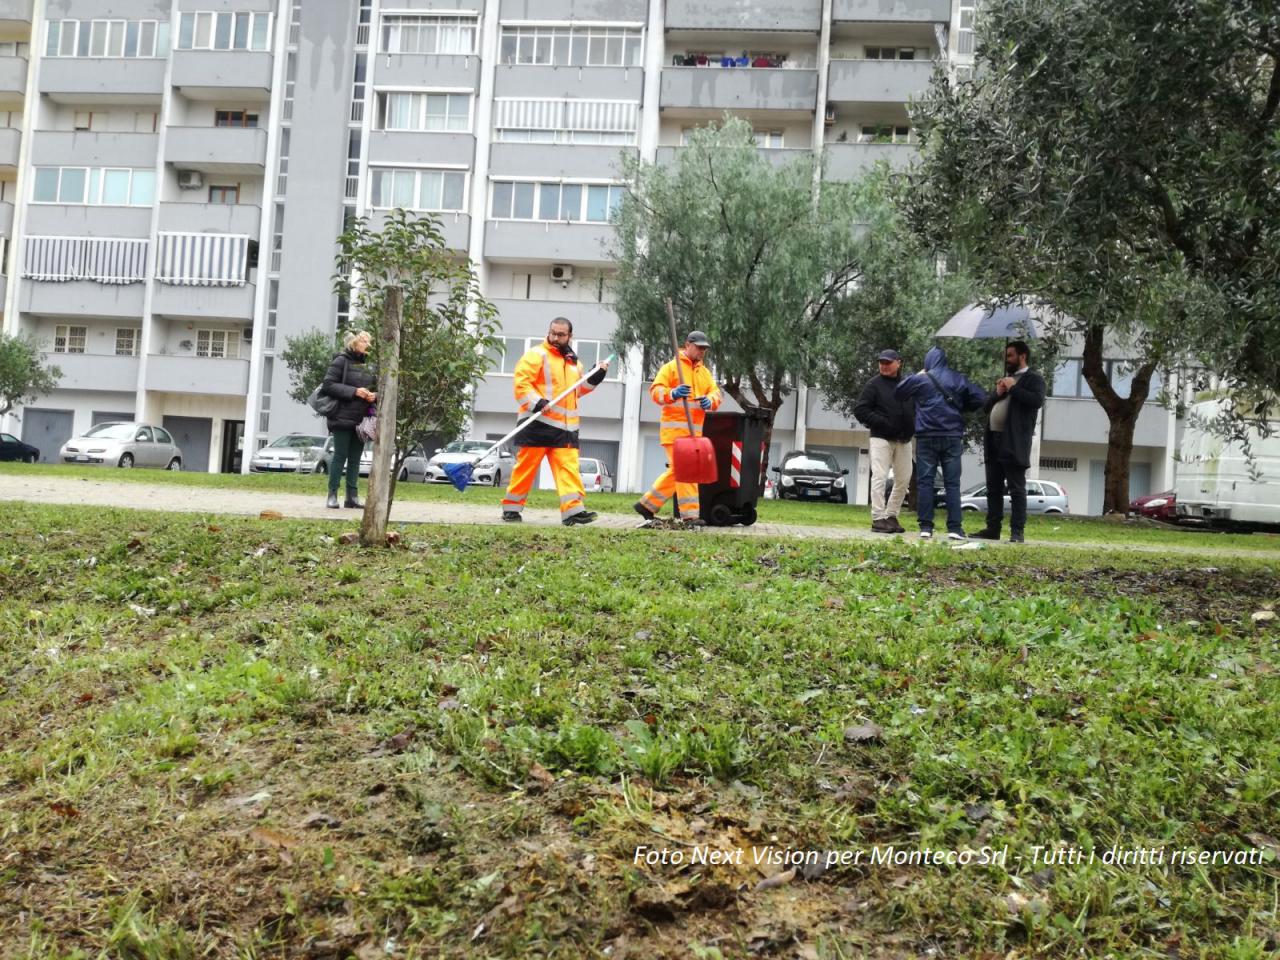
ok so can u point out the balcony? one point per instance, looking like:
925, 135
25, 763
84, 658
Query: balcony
186, 302
892, 11
595, 83
119, 82
878, 81
10, 145
745, 88
81, 298
56, 148
849, 161
231, 150
456, 228
547, 242
87, 371
404, 146
778, 156
13, 77
223, 74
15, 16
6, 224
598, 10
207, 375
442, 70
529, 318
76, 220
243, 218
1082, 420
753, 15
556, 160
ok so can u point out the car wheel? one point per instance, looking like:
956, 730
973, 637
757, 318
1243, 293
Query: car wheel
320, 467
126, 461
404, 475
175, 464
969, 508
31, 458
497, 478
1053, 510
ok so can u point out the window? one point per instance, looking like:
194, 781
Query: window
417, 189
428, 34
219, 344
127, 341
895, 53
964, 35
162, 435
1064, 464
129, 39
884, 133
234, 118
69, 339
503, 360
224, 31
1069, 381
767, 138
83, 120
424, 111
571, 46
224, 193
15, 48
94, 186
574, 202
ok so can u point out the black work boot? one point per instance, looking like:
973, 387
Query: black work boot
332, 502
644, 511
353, 500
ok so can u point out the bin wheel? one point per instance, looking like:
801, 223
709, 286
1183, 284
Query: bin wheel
720, 516
748, 515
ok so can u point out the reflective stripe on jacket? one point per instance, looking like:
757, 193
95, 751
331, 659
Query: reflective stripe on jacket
699, 379
543, 373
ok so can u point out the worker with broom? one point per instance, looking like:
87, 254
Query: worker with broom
543, 373
685, 390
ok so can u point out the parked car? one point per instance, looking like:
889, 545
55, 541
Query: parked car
596, 477
1043, 496
413, 468
1157, 506
11, 448
811, 475
493, 469
119, 443
294, 452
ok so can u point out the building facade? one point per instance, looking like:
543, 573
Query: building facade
174, 173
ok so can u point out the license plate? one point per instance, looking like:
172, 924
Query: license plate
815, 493
82, 457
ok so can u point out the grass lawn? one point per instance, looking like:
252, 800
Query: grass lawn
246, 739
1061, 529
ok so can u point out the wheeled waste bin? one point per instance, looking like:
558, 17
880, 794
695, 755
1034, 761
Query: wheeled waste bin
741, 462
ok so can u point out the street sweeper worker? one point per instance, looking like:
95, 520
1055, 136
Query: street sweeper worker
700, 389
544, 372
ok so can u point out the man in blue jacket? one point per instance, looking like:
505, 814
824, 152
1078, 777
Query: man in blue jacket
942, 398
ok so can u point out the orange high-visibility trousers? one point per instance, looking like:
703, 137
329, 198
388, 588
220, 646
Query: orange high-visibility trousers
686, 493
564, 468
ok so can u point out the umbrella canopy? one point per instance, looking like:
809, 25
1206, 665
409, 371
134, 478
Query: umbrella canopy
976, 322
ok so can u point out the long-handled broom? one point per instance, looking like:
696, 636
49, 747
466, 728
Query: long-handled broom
459, 474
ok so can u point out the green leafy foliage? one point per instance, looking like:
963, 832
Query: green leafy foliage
307, 357
24, 376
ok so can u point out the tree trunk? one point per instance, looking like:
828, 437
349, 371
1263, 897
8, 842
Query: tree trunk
377, 507
1122, 415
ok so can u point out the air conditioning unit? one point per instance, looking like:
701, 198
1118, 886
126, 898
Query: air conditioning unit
562, 272
190, 179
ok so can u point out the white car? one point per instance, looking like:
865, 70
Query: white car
294, 452
595, 474
494, 469
123, 444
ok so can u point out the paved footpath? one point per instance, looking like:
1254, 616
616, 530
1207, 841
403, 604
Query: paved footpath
183, 499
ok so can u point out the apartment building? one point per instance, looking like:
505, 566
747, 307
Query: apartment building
180, 168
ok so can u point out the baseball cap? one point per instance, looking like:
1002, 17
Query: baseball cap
889, 355
697, 338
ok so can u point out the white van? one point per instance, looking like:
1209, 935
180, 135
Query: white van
1217, 484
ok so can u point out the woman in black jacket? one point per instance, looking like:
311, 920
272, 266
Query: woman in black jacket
348, 380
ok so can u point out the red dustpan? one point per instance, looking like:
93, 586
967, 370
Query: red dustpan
693, 459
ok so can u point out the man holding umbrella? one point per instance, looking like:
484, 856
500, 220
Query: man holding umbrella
1011, 422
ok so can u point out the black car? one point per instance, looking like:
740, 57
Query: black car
11, 448
811, 475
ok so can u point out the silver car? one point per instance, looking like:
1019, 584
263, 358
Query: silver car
492, 470
595, 474
1043, 496
413, 468
123, 444
294, 452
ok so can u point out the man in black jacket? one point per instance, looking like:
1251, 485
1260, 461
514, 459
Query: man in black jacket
892, 423
1011, 422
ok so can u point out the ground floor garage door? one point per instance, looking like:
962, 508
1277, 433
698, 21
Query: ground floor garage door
606, 450
192, 435
48, 430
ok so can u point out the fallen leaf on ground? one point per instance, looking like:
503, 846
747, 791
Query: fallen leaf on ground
274, 838
864, 733
393, 744
271, 515
317, 819
777, 880
348, 538
539, 775
64, 809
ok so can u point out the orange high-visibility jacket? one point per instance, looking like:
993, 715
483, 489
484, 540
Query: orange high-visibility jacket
698, 377
542, 373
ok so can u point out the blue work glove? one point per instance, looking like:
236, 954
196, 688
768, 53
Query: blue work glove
680, 392
705, 402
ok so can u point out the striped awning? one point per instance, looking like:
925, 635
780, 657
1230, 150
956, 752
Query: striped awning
611, 116
104, 259
203, 259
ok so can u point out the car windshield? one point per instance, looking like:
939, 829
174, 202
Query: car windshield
113, 431
811, 461
297, 442
467, 446
587, 466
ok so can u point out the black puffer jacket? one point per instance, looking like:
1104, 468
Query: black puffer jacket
886, 416
347, 373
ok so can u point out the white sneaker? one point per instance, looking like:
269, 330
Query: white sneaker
926, 534
956, 536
